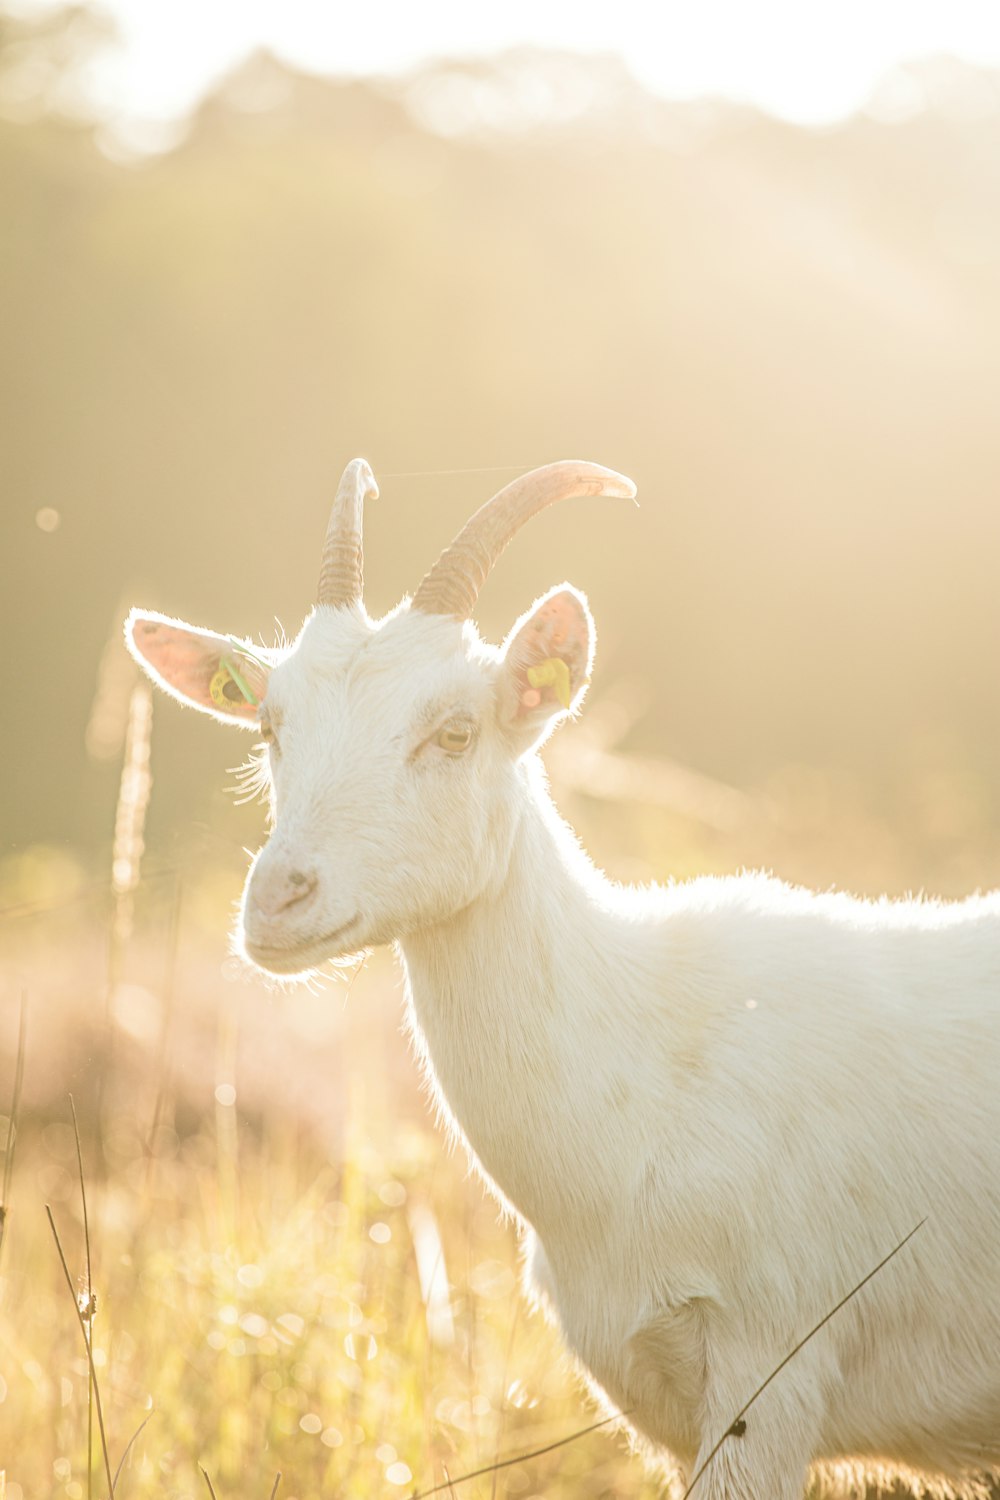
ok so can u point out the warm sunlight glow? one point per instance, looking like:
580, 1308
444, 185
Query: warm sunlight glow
813, 64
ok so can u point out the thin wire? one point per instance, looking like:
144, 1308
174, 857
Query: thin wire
438, 473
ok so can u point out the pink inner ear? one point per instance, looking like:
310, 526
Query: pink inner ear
557, 633
178, 656
562, 622
187, 660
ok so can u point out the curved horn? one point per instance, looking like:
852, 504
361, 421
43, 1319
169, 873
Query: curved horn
340, 574
452, 585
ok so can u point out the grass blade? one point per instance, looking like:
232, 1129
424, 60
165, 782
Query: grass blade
503, 1386
90, 1299
15, 1109
518, 1458
128, 1448
169, 991
90, 1356
730, 1432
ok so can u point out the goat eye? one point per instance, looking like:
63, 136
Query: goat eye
454, 738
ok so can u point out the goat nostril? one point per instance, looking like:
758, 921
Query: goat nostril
277, 891
300, 887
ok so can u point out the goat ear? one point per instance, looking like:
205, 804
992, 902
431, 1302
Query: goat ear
208, 671
546, 664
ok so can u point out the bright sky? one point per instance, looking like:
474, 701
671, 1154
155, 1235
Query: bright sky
811, 61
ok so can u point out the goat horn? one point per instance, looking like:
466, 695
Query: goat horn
340, 575
452, 585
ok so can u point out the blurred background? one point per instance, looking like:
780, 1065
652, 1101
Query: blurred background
787, 333
749, 257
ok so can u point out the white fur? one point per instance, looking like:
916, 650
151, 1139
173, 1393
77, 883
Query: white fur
712, 1107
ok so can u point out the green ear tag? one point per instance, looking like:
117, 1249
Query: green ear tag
227, 674
245, 651
554, 673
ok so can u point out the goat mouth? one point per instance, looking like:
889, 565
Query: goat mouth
308, 953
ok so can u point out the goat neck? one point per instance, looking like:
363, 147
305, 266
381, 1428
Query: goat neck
516, 1035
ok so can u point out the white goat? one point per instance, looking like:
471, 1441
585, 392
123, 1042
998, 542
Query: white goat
712, 1107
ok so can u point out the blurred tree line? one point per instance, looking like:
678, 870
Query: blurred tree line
789, 338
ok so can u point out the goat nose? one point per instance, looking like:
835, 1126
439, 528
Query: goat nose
302, 886
279, 890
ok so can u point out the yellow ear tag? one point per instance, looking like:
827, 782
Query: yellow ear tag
554, 673
227, 674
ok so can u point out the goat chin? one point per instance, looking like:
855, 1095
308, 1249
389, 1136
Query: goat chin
302, 957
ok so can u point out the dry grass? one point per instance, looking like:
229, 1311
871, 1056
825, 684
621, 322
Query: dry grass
291, 1273
292, 1276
